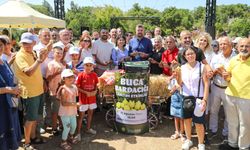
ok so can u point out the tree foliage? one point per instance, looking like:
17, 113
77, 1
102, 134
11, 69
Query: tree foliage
233, 19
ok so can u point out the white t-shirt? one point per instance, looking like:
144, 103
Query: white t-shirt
37, 48
86, 53
102, 50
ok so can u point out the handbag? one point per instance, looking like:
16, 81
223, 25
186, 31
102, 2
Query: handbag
14, 99
188, 103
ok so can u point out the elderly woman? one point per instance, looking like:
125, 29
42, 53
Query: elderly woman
155, 57
194, 83
10, 133
203, 42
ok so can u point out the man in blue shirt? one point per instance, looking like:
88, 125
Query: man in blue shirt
140, 47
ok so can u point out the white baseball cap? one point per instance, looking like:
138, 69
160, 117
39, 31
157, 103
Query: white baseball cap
198, 108
88, 60
58, 44
74, 50
67, 73
27, 37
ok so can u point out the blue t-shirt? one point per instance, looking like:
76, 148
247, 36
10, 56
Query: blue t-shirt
140, 45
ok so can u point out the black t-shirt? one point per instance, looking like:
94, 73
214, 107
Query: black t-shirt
154, 68
199, 55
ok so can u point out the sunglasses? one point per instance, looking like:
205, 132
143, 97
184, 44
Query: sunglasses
86, 41
214, 45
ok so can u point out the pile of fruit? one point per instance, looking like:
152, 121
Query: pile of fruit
130, 105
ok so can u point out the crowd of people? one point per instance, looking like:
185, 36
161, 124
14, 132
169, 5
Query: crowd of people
51, 81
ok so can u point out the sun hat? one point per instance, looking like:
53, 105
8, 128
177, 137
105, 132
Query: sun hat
27, 37
198, 108
74, 50
67, 73
88, 60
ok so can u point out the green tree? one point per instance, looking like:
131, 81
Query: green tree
77, 17
177, 19
102, 16
137, 11
45, 8
239, 27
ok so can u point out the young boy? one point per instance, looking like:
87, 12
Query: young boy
53, 76
87, 86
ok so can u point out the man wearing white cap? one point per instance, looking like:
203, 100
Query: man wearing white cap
75, 65
27, 70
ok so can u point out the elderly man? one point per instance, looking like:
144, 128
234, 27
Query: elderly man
219, 63
27, 70
237, 102
140, 47
44, 45
170, 55
102, 50
64, 41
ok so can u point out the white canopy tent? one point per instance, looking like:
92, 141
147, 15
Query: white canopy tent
17, 14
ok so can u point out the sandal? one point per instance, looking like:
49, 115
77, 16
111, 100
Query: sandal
175, 136
38, 140
73, 140
65, 146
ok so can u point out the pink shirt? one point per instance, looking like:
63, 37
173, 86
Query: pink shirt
69, 95
52, 69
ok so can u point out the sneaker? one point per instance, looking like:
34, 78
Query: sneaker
42, 131
78, 137
187, 144
91, 131
201, 146
28, 147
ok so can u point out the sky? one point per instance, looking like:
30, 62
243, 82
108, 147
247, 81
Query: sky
127, 4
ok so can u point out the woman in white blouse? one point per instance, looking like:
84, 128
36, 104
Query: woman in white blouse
191, 73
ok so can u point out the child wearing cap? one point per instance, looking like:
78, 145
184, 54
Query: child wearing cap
54, 70
75, 64
87, 86
68, 108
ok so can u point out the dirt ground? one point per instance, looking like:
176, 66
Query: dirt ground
107, 139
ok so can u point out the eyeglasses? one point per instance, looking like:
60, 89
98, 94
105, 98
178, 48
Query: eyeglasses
189, 54
86, 41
